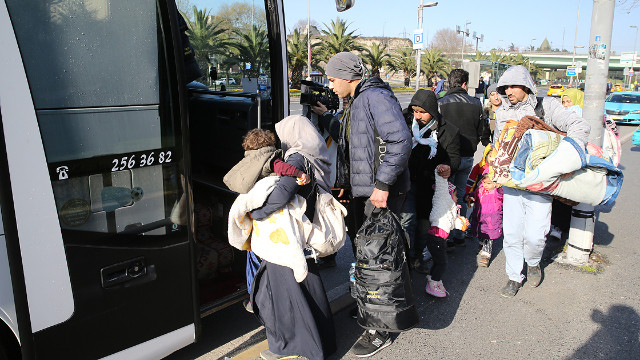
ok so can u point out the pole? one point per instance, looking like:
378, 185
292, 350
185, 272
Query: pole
580, 242
418, 55
308, 38
634, 50
575, 39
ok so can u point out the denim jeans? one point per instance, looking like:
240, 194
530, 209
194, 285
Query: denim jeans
526, 222
416, 228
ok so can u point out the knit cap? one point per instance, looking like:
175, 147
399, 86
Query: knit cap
346, 66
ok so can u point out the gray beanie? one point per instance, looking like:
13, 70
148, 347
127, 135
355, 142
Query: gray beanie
492, 88
345, 66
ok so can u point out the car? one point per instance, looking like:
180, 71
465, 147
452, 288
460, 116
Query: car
617, 87
555, 90
219, 82
623, 107
636, 137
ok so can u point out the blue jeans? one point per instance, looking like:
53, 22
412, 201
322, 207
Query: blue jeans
416, 228
459, 179
526, 222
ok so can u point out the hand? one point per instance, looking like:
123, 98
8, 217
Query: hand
444, 170
379, 198
470, 200
319, 109
303, 179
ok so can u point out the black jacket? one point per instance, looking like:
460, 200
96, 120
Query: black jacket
421, 168
465, 112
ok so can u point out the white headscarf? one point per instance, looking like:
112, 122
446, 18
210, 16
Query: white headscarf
298, 135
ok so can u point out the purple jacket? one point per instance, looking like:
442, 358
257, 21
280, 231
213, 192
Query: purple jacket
486, 218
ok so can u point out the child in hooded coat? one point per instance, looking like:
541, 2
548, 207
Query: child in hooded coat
486, 218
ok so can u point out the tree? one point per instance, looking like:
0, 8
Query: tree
434, 61
297, 56
185, 7
302, 26
376, 57
337, 38
449, 42
545, 45
252, 47
242, 16
206, 37
403, 61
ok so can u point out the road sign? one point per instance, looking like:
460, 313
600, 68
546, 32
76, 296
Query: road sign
571, 71
631, 72
625, 72
418, 39
626, 58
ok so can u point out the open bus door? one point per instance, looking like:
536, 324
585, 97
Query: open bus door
92, 165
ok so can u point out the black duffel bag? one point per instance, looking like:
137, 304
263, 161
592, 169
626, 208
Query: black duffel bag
382, 279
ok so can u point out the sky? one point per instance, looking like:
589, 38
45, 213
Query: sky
501, 23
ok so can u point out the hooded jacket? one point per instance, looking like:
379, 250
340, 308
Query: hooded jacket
556, 115
376, 109
421, 168
465, 112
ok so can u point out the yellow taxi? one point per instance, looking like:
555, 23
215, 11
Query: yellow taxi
555, 90
617, 87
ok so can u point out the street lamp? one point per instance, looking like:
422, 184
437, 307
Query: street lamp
530, 51
634, 49
575, 39
464, 32
418, 55
309, 38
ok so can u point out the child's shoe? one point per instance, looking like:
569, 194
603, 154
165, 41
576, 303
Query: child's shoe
484, 259
435, 288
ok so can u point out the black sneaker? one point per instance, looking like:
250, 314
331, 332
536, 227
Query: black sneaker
370, 343
268, 355
511, 289
534, 275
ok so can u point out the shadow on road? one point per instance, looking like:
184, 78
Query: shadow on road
617, 337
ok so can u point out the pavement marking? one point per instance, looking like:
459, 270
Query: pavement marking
252, 352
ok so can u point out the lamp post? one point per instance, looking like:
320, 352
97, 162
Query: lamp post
633, 65
530, 51
309, 38
575, 39
464, 32
419, 53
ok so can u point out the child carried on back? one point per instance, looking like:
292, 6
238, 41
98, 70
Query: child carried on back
486, 197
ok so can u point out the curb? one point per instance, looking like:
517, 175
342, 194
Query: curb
338, 304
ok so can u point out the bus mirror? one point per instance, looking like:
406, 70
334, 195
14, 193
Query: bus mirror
343, 5
114, 197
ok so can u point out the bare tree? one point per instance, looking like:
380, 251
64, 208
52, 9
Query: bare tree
628, 5
449, 42
185, 7
301, 25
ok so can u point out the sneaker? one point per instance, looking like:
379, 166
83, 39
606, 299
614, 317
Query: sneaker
555, 232
435, 288
484, 259
534, 275
370, 342
511, 289
268, 355
247, 305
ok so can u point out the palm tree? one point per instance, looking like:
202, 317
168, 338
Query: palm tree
376, 57
205, 37
252, 47
434, 61
297, 56
337, 39
403, 61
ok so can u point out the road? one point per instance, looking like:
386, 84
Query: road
574, 314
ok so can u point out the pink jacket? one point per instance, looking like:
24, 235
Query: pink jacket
486, 218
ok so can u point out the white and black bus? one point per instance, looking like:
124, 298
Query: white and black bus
103, 150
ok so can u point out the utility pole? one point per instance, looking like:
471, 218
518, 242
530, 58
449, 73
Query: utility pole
309, 38
634, 50
575, 39
580, 242
418, 55
464, 32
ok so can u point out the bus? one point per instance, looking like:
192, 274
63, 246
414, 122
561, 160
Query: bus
113, 211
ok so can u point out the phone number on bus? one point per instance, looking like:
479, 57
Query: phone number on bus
131, 161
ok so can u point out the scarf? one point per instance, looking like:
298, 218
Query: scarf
431, 141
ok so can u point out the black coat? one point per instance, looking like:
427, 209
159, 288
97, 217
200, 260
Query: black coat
465, 112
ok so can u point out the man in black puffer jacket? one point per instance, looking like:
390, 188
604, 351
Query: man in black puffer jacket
436, 144
464, 112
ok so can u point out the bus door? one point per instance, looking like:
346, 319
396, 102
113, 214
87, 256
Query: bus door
93, 130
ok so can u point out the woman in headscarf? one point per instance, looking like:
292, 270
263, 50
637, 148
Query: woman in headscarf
296, 315
573, 99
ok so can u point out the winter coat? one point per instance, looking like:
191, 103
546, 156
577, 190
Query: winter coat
421, 168
555, 114
376, 109
256, 164
486, 218
465, 112
382, 279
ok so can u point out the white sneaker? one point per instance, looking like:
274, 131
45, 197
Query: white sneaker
435, 288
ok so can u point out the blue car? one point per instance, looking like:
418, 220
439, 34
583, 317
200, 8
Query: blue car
636, 137
623, 107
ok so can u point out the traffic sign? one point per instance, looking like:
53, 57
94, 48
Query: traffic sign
626, 58
418, 39
631, 72
571, 71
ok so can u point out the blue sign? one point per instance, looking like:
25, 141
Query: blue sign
572, 71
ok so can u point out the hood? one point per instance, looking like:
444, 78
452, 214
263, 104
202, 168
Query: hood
517, 75
298, 135
427, 100
576, 96
493, 87
373, 82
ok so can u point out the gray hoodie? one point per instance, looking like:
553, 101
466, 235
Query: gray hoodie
555, 114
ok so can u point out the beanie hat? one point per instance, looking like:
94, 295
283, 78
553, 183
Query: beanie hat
492, 88
345, 66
